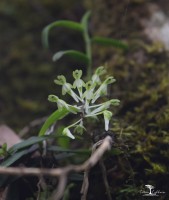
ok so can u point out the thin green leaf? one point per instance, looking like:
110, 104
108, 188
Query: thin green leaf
63, 156
109, 42
13, 158
85, 19
55, 116
60, 149
73, 54
26, 143
61, 23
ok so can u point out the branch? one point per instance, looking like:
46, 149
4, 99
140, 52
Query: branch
104, 174
62, 172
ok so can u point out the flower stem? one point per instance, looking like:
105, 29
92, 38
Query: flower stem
87, 44
74, 123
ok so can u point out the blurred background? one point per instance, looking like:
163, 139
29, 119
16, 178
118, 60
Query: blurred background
26, 68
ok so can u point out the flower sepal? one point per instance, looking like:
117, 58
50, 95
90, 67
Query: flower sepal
107, 117
67, 132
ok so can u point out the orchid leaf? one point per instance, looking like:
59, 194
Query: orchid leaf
73, 54
60, 149
9, 161
26, 143
61, 23
55, 116
85, 19
109, 42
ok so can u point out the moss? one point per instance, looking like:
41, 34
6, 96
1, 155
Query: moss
142, 86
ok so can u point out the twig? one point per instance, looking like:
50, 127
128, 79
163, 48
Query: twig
85, 185
58, 193
61, 172
104, 174
41, 184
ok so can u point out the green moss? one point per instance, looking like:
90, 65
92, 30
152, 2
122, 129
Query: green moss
142, 86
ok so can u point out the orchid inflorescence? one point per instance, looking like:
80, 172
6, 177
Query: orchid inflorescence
85, 95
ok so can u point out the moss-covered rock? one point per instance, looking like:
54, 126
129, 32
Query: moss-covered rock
142, 86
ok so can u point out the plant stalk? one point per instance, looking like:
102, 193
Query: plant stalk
89, 55
88, 51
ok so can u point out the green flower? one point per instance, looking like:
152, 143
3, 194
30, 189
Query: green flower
88, 94
101, 108
107, 116
61, 80
62, 104
109, 80
77, 74
96, 76
102, 90
67, 132
115, 102
78, 83
66, 87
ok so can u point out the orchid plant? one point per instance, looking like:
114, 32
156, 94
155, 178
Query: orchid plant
86, 96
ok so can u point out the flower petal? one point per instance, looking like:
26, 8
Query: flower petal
107, 116
67, 132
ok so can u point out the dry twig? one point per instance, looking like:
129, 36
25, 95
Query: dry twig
104, 174
62, 173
